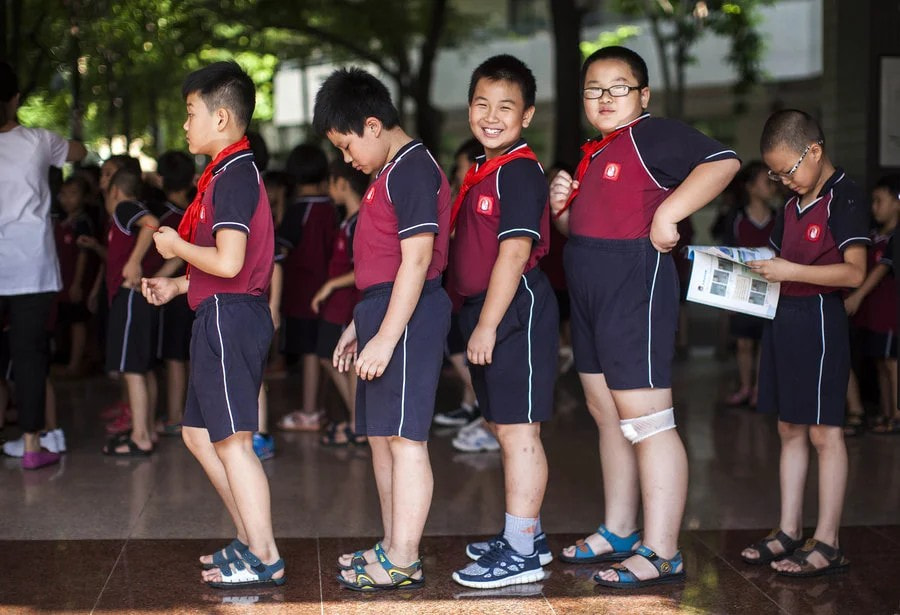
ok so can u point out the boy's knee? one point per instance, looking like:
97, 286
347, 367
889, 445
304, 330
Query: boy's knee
825, 436
516, 432
789, 431
643, 427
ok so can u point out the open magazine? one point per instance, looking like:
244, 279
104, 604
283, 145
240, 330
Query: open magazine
721, 278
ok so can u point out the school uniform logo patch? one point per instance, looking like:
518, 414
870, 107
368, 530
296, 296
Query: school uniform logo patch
202, 214
813, 232
485, 205
611, 172
370, 195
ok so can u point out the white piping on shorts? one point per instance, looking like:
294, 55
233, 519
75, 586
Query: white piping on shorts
127, 331
650, 324
403, 390
530, 366
821, 361
224, 375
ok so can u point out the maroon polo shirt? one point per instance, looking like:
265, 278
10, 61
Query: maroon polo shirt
307, 232
338, 307
67, 232
235, 200
120, 241
878, 311
408, 197
820, 232
510, 202
628, 179
170, 215
749, 234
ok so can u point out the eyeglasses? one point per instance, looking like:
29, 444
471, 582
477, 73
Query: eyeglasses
616, 91
780, 177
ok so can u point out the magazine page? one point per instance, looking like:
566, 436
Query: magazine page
720, 278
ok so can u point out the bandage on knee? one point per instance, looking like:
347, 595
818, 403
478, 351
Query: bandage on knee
643, 427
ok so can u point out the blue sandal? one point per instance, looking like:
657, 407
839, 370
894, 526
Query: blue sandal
359, 558
623, 548
249, 571
665, 567
401, 577
233, 552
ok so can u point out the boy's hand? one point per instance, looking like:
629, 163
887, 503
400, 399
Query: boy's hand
76, 294
86, 242
663, 234
852, 303
773, 270
165, 239
158, 291
374, 358
131, 274
560, 189
320, 296
481, 345
276, 318
345, 351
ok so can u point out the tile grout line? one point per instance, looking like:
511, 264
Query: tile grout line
319, 565
109, 576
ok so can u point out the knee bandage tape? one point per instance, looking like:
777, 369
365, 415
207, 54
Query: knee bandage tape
643, 427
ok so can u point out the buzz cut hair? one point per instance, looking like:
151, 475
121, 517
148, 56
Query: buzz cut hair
176, 170
128, 182
791, 128
505, 67
223, 85
349, 96
623, 54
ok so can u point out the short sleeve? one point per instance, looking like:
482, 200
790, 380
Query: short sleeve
887, 257
235, 197
282, 248
523, 198
670, 149
777, 237
413, 186
57, 147
83, 226
127, 214
849, 217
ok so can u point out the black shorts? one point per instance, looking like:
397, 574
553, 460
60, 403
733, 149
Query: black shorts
175, 322
70, 313
456, 343
401, 402
564, 304
805, 361
132, 333
624, 310
300, 335
229, 345
327, 338
746, 326
5, 358
517, 387
877, 344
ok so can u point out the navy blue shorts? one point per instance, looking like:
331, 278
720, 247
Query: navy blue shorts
517, 387
175, 322
624, 298
878, 344
300, 335
401, 401
746, 326
805, 361
456, 342
132, 333
327, 338
229, 346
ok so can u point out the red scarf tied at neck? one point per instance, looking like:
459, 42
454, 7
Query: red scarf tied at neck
475, 176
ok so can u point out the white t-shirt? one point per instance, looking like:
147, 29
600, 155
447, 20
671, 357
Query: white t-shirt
28, 262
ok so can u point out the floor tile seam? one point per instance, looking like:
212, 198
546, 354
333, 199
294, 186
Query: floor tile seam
882, 535
750, 581
549, 604
319, 568
112, 571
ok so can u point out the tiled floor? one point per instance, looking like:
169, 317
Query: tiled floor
110, 536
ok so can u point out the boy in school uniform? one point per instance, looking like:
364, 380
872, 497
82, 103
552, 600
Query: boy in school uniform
226, 239
509, 316
334, 302
399, 326
132, 330
821, 237
632, 188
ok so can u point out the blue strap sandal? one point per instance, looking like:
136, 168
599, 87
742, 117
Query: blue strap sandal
665, 567
358, 558
623, 548
401, 577
232, 552
249, 571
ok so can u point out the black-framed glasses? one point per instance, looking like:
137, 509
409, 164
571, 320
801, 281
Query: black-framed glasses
616, 91
780, 177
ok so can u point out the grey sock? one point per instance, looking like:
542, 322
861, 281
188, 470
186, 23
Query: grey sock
519, 532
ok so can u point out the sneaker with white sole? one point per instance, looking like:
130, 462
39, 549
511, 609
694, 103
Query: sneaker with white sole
458, 417
54, 441
476, 441
476, 549
499, 567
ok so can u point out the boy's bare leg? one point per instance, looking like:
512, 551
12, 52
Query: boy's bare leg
139, 400
78, 340
176, 381
340, 381
458, 361
618, 464
663, 471
263, 400
745, 360
524, 468
198, 443
310, 383
153, 399
891, 365
832, 456
250, 490
854, 400
383, 464
412, 484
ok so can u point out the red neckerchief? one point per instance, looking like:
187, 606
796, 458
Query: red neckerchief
590, 148
475, 175
188, 226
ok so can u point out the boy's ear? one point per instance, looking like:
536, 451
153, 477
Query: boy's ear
645, 97
373, 126
526, 117
223, 118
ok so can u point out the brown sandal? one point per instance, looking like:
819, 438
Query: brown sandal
765, 553
835, 557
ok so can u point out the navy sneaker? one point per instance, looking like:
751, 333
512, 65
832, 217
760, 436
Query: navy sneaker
263, 446
458, 417
499, 567
476, 549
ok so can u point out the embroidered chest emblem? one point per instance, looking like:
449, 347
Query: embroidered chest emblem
611, 172
202, 214
813, 232
485, 205
370, 195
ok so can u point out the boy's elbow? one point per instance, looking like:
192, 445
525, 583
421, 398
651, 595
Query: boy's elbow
859, 276
231, 268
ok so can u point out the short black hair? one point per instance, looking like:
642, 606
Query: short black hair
176, 170
358, 180
791, 127
128, 182
223, 85
505, 67
280, 179
614, 52
260, 150
470, 148
124, 161
308, 164
81, 183
891, 183
349, 96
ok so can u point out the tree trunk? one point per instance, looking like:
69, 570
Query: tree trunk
428, 118
567, 135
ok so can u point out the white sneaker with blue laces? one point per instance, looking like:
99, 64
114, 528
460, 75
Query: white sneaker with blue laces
476, 549
499, 567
